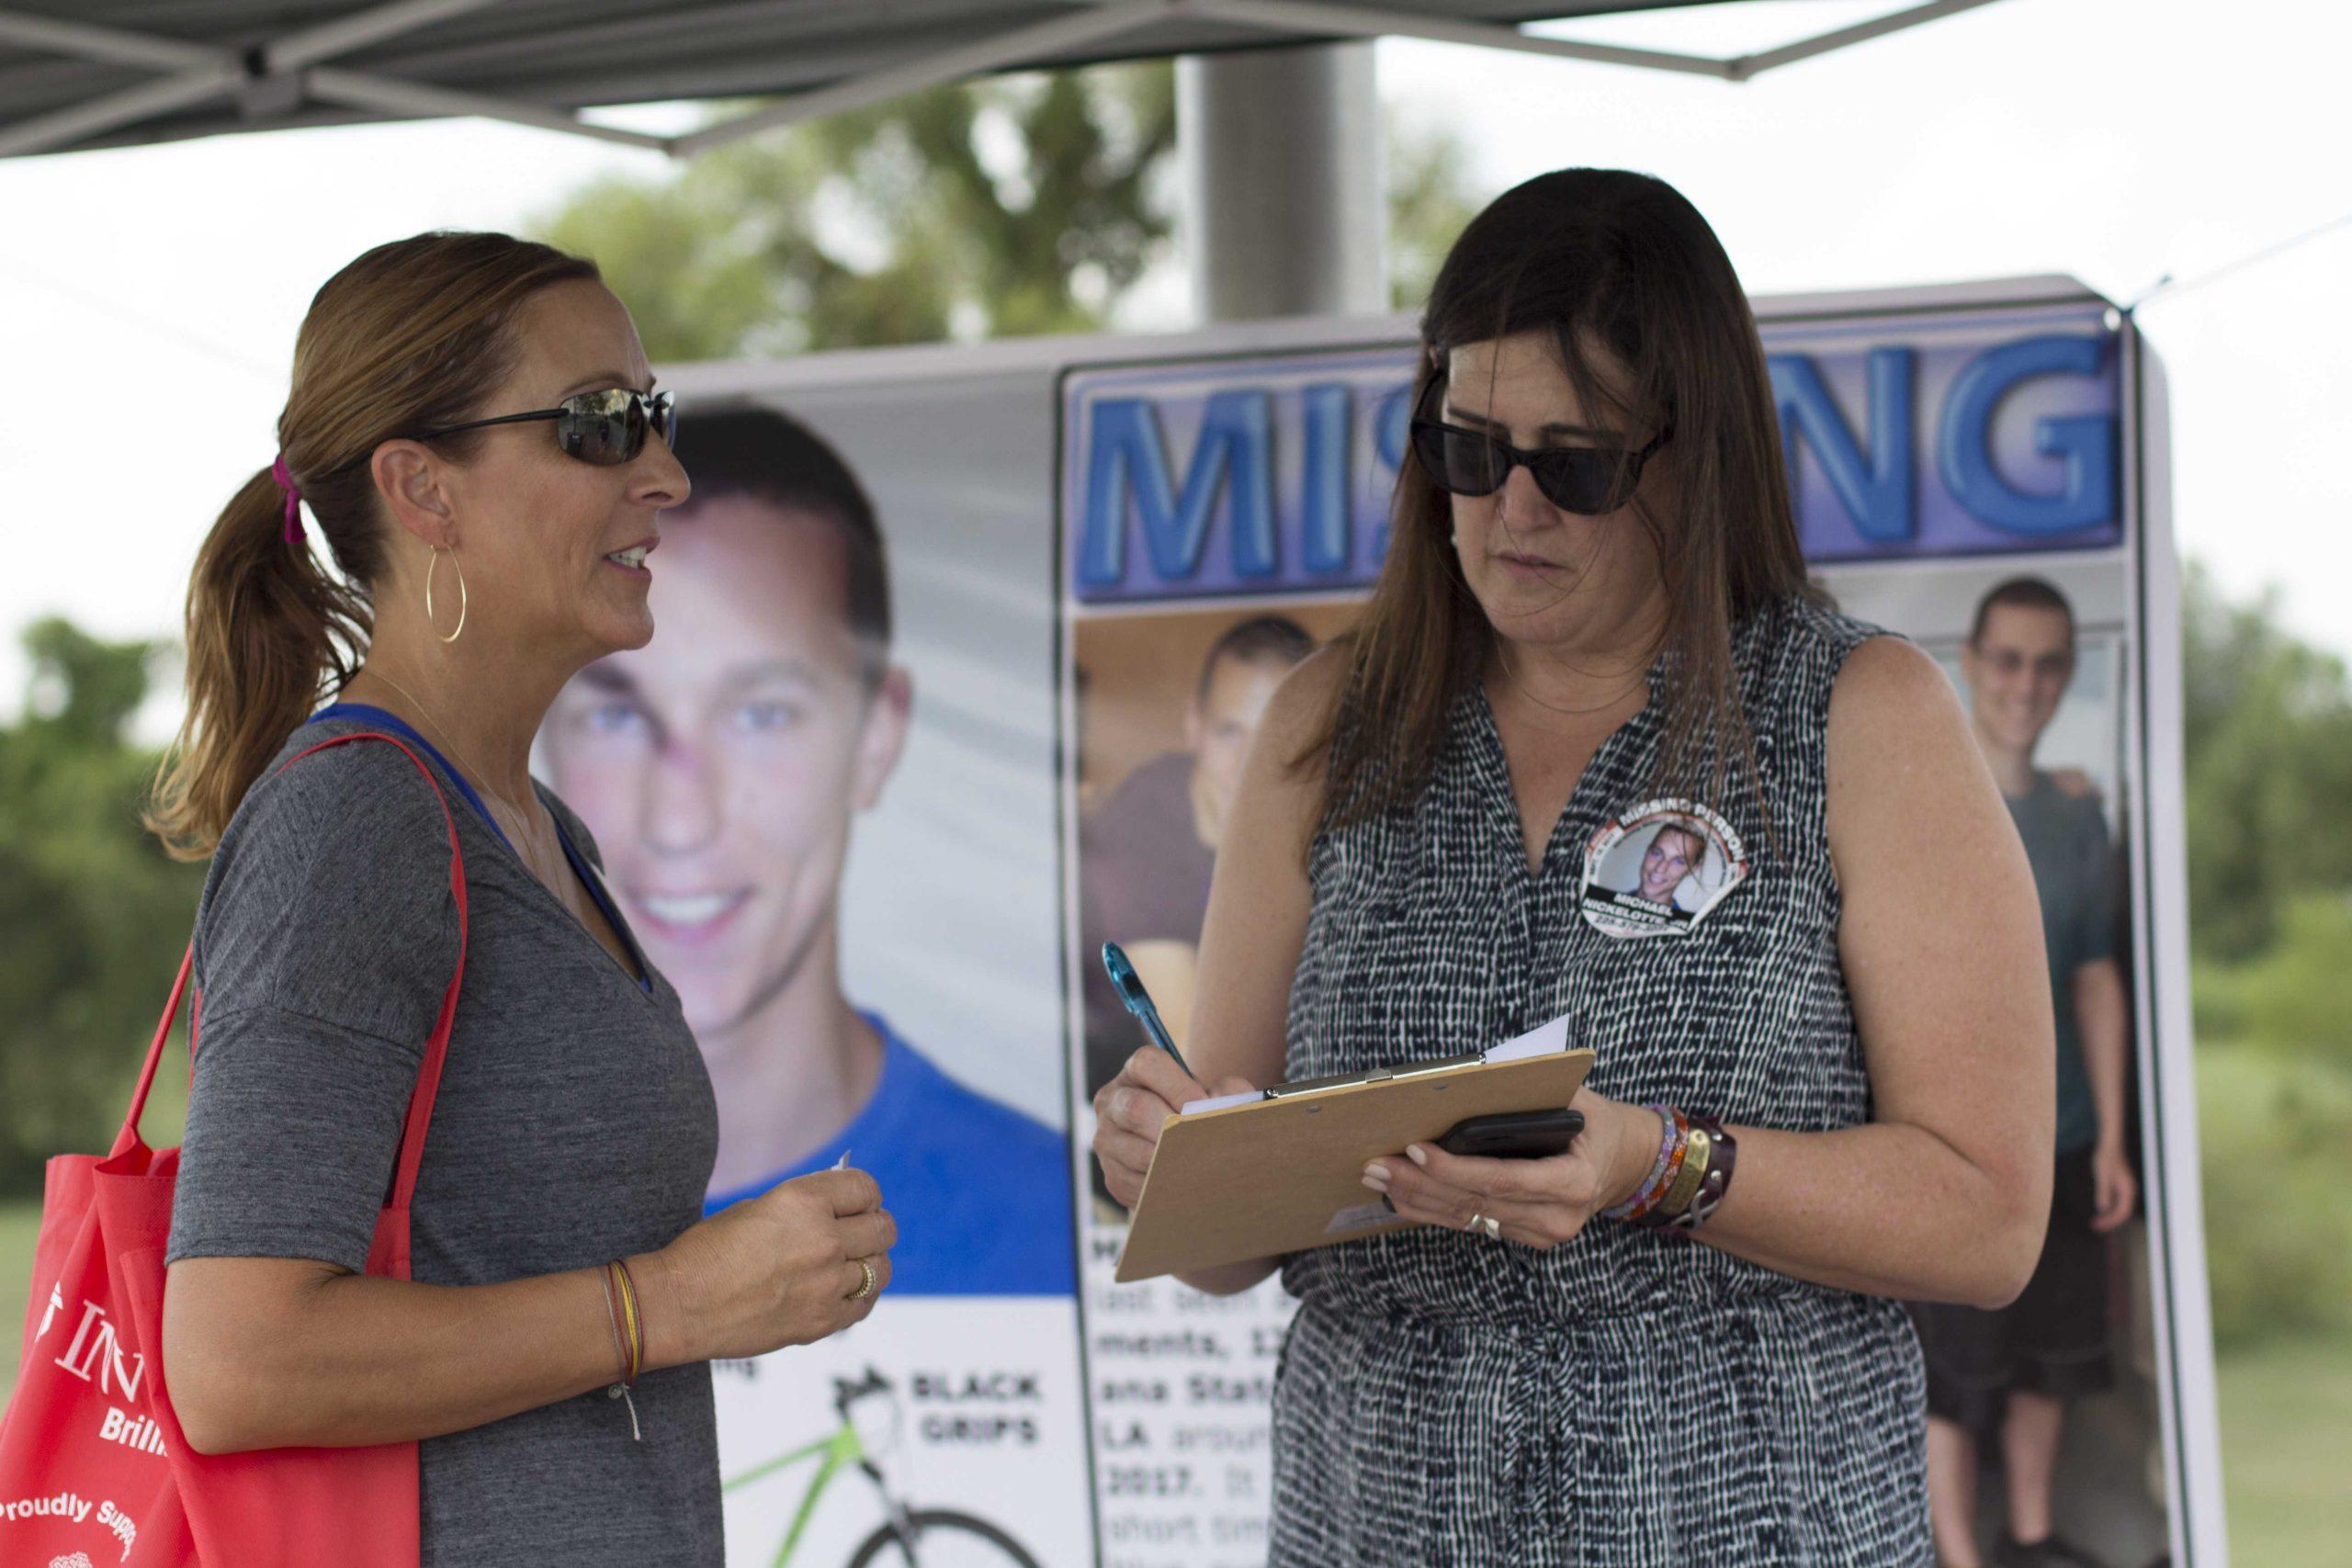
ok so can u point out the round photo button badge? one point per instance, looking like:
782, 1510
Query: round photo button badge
1660, 868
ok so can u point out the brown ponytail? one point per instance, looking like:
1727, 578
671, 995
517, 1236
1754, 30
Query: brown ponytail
265, 630
411, 336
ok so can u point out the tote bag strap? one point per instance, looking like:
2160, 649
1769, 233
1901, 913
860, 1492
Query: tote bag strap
128, 1139
436, 1050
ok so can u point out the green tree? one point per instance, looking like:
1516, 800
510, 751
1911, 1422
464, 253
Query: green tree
2291, 999
997, 209
1432, 198
98, 914
994, 209
2267, 765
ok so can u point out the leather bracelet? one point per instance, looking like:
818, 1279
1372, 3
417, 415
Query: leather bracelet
633, 1317
628, 1339
620, 1339
1723, 1155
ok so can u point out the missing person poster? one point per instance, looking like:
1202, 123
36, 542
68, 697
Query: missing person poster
959, 651
1219, 523
823, 794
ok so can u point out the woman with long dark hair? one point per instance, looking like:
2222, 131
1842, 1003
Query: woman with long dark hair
476, 435
1827, 1089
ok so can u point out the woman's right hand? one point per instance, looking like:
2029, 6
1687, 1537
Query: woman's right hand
770, 1271
1130, 1109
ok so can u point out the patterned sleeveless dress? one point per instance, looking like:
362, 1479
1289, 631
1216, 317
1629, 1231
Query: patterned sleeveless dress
1630, 1398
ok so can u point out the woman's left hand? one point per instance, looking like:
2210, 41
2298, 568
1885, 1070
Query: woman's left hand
1539, 1203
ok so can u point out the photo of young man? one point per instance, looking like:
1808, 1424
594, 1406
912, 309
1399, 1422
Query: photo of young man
1147, 853
720, 768
1672, 856
2010, 1375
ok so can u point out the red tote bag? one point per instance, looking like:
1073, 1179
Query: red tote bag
93, 1468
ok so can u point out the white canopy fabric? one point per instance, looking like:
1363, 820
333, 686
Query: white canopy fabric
86, 73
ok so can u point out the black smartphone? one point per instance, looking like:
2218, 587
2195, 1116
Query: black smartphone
1514, 1134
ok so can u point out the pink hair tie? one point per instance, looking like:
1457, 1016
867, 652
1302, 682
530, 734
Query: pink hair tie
285, 478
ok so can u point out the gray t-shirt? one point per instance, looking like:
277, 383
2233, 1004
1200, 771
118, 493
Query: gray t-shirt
2074, 872
575, 1123
1143, 876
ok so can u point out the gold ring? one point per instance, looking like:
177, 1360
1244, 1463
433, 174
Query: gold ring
865, 1287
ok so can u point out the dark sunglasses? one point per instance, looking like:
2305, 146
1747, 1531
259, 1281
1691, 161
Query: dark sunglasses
606, 428
1587, 480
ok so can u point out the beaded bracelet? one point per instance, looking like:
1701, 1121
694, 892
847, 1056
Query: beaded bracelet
1686, 1184
1662, 1174
1657, 1167
1659, 1171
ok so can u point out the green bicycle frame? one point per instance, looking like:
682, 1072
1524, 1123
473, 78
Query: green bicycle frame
834, 1454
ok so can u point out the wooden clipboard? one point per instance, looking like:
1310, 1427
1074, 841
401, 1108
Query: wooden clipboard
1286, 1173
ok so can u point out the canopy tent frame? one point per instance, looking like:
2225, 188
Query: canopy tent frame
268, 80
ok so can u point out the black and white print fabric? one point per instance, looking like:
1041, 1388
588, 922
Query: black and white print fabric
1631, 1398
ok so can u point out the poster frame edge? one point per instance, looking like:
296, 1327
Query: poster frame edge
1065, 689
1054, 356
2169, 1116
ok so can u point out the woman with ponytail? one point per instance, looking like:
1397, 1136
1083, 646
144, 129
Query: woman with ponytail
473, 431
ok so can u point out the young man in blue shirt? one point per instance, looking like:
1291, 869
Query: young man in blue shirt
720, 767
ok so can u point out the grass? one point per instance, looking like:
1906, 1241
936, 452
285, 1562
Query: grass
2286, 1429
2286, 1426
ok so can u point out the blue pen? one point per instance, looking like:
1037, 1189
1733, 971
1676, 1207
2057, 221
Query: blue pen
1130, 988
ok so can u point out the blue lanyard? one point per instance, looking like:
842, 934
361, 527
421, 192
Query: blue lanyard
369, 714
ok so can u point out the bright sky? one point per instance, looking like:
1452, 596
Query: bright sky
154, 293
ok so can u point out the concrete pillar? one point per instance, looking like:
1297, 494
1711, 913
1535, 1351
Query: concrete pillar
1285, 205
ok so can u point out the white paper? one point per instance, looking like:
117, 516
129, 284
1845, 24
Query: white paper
1219, 1102
1540, 1040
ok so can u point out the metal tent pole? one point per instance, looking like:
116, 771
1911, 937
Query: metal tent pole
1285, 210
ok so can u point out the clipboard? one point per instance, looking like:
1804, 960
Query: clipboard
1284, 1173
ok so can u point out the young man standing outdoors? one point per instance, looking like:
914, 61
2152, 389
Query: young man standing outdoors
2011, 1373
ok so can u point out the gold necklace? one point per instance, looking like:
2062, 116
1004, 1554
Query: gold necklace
1521, 687
451, 742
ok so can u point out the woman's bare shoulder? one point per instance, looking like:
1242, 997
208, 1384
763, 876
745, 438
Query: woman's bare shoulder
1888, 685
1901, 754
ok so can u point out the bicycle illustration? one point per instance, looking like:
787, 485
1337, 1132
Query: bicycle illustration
923, 1538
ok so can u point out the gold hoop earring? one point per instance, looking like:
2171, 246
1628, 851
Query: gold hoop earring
462, 599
